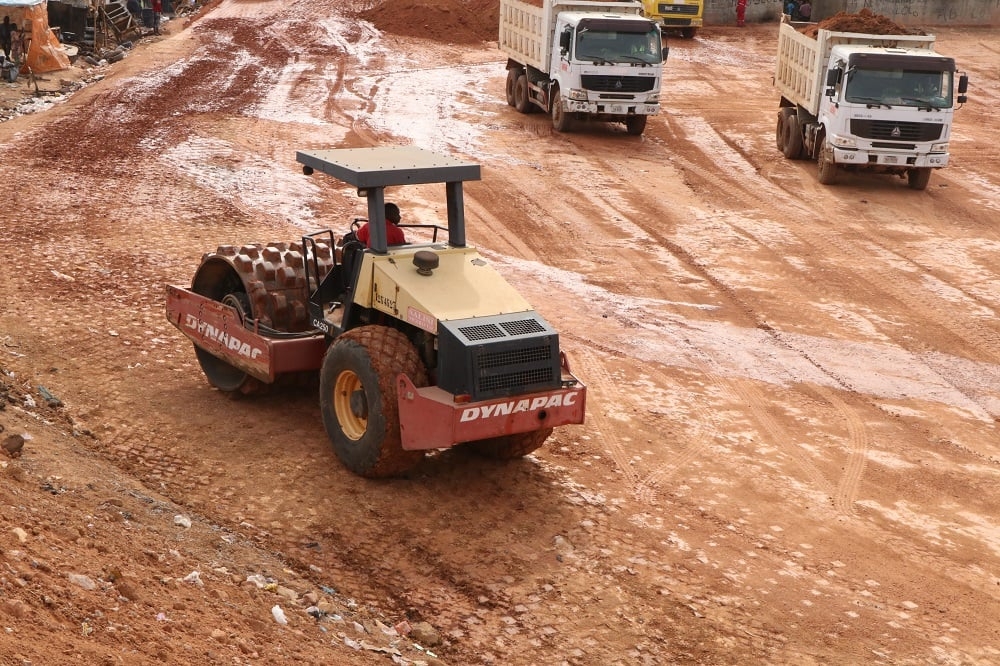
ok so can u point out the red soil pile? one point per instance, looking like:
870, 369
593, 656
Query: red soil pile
865, 21
450, 21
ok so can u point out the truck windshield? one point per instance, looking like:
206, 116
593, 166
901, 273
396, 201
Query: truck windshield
898, 87
612, 46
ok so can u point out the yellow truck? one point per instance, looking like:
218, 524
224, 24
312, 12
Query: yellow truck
682, 15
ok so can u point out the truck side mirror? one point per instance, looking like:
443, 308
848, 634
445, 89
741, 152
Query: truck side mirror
963, 87
564, 39
832, 79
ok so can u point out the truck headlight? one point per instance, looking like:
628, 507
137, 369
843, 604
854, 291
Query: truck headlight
939, 147
843, 141
577, 94
653, 99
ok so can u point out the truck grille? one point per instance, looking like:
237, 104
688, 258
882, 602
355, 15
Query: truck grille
687, 10
503, 355
618, 84
891, 130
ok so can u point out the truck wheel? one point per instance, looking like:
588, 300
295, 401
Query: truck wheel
791, 138
509, 447
689, 33
779, 133
918, 178
521, 100
357, 398
635, 125
561, 121
827, 169
512, 75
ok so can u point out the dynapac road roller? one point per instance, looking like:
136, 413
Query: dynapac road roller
418, 347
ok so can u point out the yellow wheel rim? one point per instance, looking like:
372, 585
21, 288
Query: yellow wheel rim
348, 383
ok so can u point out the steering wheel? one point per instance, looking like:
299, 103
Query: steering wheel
352, 234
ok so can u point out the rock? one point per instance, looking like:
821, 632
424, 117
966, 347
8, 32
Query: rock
424, 634
287, 593
14, 609
127, 589
86, 582
12, 445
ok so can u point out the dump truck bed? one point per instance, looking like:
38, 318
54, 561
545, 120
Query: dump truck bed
527, 28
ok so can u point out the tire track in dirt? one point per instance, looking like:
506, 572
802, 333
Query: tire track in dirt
623, 199
742, 392
758, 193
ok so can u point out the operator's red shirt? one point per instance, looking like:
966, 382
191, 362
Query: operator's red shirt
393, 234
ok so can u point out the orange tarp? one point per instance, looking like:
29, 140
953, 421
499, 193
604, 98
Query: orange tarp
45, 53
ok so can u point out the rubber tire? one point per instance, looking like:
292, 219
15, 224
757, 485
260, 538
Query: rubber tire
635, 125
511, 84
509, 447
791, 138
368, 358
779, 132
918, 178
521, 100
689, 33
827, 170
561, 120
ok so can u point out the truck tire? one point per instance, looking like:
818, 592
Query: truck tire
917, 179
826, 169
512, 75
689, 33
635, 125
779, 133
521, 100
791, 138
358, 399
561, 121
509, 447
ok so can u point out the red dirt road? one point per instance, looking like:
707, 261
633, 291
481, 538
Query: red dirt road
791, 452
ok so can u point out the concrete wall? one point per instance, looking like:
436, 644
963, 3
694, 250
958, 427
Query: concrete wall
905, 12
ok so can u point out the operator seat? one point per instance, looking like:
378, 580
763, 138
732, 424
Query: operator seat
351, 259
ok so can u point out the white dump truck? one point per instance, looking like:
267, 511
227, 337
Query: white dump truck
582, 60
865, 102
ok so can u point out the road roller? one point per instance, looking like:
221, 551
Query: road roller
416, 347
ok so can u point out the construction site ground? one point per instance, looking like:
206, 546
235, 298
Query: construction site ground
791, 452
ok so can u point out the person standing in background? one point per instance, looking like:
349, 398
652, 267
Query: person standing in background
805, 11
741, 12
7, 30
157, 10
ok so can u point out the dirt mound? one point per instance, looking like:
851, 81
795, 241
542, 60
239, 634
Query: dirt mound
865, 21
454, 21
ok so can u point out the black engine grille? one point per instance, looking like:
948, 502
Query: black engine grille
618, 84
490, 357
891, 130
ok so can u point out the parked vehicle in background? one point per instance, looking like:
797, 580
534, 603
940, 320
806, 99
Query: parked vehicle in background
685, 16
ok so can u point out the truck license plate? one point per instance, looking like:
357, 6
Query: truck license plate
616, 108
890, 159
